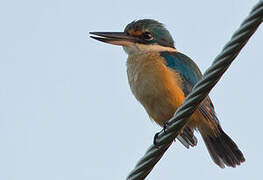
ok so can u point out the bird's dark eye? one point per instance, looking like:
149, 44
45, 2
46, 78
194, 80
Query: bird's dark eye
147, 36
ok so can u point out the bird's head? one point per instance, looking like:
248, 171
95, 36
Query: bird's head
139, 36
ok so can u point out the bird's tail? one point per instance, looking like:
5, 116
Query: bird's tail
222, 149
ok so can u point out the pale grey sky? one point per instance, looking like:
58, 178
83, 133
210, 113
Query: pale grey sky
66, 110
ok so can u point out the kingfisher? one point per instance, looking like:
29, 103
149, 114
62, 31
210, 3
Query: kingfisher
160, 77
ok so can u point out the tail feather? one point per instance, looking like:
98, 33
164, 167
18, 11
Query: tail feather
223, 149
187, 137
183, 141
213, 154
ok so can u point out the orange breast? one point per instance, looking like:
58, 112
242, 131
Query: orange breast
157, 87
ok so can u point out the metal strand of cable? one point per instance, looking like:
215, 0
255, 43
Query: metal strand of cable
199, 92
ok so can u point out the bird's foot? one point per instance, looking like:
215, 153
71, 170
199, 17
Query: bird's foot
155, 139
157, 134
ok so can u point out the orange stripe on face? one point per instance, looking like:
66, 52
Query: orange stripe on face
135, 33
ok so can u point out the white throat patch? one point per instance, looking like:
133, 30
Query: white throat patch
136, 48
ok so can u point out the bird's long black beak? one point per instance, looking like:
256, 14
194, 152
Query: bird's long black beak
116, 38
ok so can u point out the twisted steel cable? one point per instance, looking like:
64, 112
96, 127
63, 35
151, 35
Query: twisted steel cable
199, 92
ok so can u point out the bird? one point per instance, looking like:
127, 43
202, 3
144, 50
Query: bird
160, 77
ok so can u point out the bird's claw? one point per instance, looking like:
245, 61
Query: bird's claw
155, 139
157, 134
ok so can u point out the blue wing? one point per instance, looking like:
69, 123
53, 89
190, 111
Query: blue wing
190, 75
186, 67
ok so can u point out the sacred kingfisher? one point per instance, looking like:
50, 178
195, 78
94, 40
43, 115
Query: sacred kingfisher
160, 78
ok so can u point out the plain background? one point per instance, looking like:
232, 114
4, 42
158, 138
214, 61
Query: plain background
66, 110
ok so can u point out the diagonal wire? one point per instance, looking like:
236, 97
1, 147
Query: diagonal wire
199, 92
